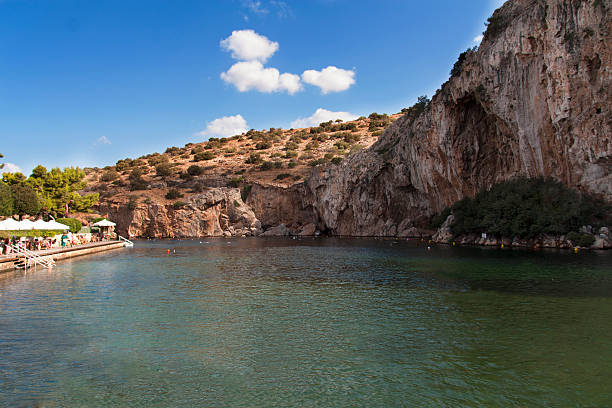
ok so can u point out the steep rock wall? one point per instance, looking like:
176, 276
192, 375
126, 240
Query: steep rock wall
215, 212
533, 100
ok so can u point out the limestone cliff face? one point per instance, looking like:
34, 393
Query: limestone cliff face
215, 212
533, 100
275, 205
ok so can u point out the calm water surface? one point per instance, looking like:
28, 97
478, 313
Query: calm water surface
309, 323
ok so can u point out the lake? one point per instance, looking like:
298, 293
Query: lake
259, 322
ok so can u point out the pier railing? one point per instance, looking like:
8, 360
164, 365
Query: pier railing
32, 257
126, 241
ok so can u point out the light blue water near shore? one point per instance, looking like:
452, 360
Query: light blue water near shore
309, 323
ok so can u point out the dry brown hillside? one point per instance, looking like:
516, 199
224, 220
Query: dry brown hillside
275, 156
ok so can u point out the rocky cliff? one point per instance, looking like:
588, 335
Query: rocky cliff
533, 100
215, 212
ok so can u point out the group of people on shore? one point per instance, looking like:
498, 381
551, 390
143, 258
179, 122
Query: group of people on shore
57, 241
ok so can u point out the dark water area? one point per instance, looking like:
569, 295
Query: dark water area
309, 323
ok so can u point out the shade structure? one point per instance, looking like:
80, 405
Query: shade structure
54, 225
9, 225
40, 225
26, 225
104, 223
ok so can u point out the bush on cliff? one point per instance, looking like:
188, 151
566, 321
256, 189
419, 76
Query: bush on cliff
173, 193
195, 170
526, 208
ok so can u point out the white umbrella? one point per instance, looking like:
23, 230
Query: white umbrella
25, 225
40, 225
9, 225
54, 225
104, 223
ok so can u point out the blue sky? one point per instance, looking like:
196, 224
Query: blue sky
89, 82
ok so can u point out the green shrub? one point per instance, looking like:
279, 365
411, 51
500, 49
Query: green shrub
74, 224
235, 182
336, 160
456, 70
291, 164
163, 170
291, 146
132, 203
254, 158
173, 150
178, 204
580, 239
496, 24
266, 165
282, 176
317, 162
246, 190
377, 116
526, 208
207, 155
311, 145
263, 146
109, 175
195, 170
173, 193
138, 184
236, 203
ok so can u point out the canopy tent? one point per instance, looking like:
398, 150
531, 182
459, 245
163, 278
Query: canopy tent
50, 225
54, 225
9, 225
104, 223
40, 225
26, 225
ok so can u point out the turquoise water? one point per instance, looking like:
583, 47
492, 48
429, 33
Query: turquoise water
309, 323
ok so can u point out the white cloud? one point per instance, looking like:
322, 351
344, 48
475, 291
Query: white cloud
247, 45
322, 115
248, 75
255, 6
330, 79
11, 168
225, 126
102, 140
478, 38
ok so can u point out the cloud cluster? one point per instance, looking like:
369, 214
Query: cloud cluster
225, 126
10, 168
321, 115
247, 75
253, 50
102, 140
247, 45
330, 79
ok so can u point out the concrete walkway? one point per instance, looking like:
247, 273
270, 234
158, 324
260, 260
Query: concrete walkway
7, 261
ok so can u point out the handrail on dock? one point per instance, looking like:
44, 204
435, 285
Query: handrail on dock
31, 256
127, 242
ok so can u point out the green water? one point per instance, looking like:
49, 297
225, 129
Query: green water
309, 323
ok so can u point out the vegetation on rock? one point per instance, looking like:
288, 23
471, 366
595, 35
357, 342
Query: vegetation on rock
526, 208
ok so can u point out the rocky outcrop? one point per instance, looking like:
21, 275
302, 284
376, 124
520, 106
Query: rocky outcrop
533, 100
214, 212
275, 205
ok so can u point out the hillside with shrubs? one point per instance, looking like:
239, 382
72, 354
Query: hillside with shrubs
279, 157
